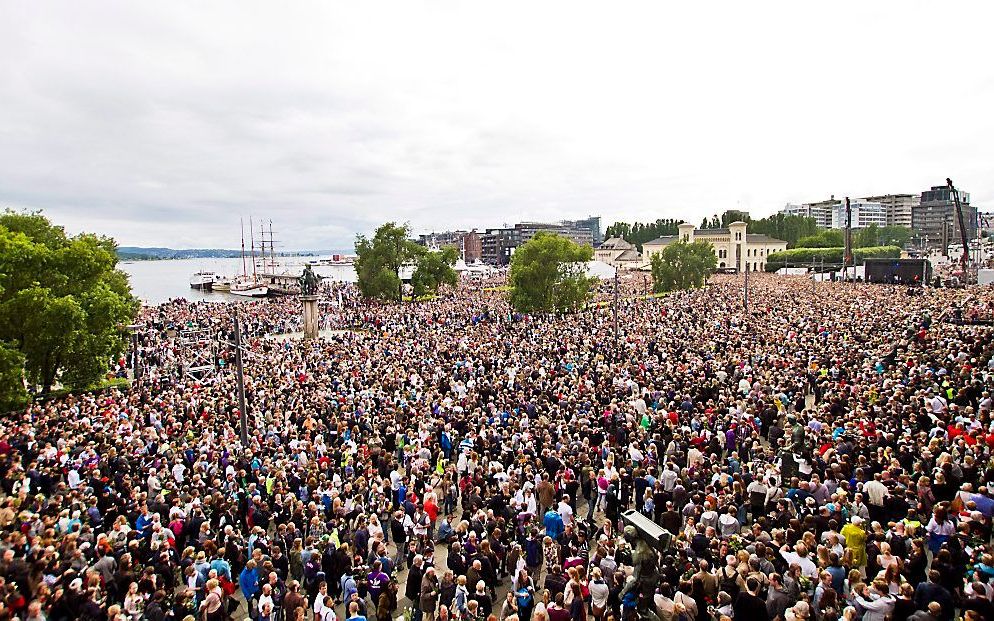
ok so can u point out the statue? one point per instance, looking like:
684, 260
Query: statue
309, 281
645, 577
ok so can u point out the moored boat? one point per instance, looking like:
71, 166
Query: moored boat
203, 281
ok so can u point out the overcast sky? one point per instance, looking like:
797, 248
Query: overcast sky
162, 123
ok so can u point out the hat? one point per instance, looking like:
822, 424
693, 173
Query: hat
76, 585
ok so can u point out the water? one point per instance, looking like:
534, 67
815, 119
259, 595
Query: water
157, 281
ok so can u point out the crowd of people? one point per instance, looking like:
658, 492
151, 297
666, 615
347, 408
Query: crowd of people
824, 454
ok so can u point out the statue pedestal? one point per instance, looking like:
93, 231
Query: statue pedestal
310, 303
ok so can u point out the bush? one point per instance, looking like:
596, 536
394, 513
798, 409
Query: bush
831, 256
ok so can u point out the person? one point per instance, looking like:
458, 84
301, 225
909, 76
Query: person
876, 600
354, 614
429, 594
748, 604
387, 602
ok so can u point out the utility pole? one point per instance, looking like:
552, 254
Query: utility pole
848, 251
240, 377
745, 300
965, 259
616, 306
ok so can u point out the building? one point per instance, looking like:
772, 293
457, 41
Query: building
497, 245
820, 212
898, 207
864, 214
592, 224
734, 247
934, 219
468, 243
618, 253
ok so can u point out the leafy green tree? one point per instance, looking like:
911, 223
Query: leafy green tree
12, 392
827, 238
894, 236
62, 303
682, 265
380, 259
549, 274
434, 269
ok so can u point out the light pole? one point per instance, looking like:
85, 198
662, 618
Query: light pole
240, 377
616, 306
133, 329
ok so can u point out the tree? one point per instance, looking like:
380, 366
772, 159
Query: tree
549, 274
380, 259
894, 236
682, 265
63, 303
827, 238
434, 269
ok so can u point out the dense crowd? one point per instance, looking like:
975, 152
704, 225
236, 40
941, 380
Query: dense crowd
823, 455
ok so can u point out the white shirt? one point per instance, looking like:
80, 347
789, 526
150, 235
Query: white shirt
565, 512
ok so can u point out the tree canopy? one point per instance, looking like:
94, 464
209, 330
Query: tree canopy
789, 228
640, 233
433, 270
63, 305
379, 260
825, 238
682, 265
549, 274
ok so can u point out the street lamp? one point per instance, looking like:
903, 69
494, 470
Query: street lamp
133, 328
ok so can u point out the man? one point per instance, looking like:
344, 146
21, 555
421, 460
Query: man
553, 523
546, 493
933, 591
778, 600
566, 510
932, 614
748, 605
428, 594
377, 581
354, 613
293, 600
412, 589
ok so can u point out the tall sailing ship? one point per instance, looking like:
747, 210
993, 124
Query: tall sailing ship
245, 285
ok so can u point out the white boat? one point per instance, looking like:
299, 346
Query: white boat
204, 281
222, 285
250, 289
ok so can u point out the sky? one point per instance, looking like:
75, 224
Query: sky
164, 123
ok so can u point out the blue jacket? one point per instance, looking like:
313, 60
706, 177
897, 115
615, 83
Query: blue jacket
248, 580
553, 524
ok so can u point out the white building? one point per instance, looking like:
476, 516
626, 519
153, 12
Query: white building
863, 215
820, 212
734, 247
898, 207
617, 252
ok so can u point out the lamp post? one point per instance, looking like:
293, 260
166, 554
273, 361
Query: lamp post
132, 329
240, 377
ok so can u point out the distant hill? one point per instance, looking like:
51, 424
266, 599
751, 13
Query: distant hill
139, 253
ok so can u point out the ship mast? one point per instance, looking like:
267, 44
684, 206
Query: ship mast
252, 241
244, 269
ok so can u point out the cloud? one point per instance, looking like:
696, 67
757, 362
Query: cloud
163, 124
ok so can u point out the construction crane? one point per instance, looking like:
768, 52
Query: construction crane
965, 259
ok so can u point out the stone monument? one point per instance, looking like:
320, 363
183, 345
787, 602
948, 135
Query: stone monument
309, 297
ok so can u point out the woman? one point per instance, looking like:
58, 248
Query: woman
892, 576
599, 593
855, 541
212, 608
134, 602
917, 563
460, 598
940, 528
